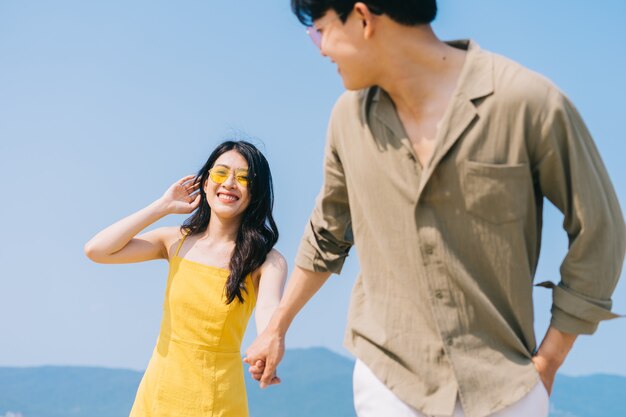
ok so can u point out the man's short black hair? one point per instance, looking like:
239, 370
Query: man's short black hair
405, 12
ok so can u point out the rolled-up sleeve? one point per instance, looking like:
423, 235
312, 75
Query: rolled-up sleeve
570, 173
328, 237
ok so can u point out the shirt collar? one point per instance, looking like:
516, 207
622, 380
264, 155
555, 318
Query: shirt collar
476, 81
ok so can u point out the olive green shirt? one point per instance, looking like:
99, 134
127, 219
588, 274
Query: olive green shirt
443, 304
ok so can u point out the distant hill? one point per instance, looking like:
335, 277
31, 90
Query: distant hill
52, 391
317, 382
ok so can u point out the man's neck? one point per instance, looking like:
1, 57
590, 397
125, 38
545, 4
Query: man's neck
419, 70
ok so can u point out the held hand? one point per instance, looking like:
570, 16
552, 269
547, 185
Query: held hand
256, 372
263, 356
183, 196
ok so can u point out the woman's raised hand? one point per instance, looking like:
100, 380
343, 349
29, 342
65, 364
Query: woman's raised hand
119, 243
183, 196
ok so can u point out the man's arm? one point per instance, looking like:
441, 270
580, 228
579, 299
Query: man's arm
551, 355
323, 249
269, 347
568, 169
570, 173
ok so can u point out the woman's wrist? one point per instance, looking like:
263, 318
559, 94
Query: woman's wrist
160, 208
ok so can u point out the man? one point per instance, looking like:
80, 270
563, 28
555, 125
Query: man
437, 162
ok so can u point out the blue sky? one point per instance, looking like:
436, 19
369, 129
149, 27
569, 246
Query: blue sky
104, 104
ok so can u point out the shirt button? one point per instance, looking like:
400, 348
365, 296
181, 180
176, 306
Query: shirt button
439, 294
450, 342
429, 249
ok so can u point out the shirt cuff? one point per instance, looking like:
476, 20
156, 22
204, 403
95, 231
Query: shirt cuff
575, 313
309, 258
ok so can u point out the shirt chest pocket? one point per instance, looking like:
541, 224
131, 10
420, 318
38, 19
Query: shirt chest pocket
497, 193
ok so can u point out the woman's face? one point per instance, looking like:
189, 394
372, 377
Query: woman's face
229, 199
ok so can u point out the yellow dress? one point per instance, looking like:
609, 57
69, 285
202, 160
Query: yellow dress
196, 368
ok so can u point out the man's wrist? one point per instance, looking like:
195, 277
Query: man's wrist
548, 361
279, 323
555, 347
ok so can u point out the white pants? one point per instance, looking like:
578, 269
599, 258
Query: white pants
373, 399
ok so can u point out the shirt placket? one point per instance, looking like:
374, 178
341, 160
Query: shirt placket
431, 259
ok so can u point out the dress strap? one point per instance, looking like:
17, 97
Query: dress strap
180, 244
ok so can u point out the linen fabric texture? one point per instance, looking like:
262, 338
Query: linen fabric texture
443, 304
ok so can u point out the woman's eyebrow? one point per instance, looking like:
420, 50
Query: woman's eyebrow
227, 166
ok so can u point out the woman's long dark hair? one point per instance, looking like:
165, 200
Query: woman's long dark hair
257, 233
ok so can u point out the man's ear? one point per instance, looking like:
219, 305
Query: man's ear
367, 18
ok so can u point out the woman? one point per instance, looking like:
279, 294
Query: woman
220, 259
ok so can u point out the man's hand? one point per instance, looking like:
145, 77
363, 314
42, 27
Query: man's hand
546, 370
264, 355
551, 355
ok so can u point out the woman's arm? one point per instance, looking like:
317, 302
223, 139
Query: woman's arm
269, 346
271, 284
117, 243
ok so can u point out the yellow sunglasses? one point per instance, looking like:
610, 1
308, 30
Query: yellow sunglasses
220, 174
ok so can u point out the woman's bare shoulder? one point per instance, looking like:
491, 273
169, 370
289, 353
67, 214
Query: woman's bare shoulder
171, 236
275, 260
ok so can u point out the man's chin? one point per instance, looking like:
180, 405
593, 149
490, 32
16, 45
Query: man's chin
353, 85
